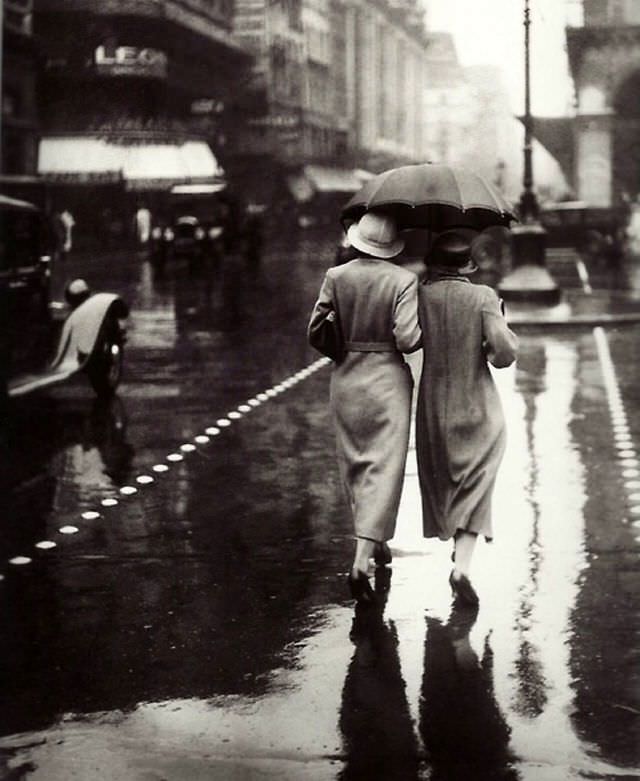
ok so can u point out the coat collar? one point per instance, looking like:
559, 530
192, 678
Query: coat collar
440, 273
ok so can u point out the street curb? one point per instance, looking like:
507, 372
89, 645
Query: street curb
576, 321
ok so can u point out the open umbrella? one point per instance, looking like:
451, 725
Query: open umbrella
432, 196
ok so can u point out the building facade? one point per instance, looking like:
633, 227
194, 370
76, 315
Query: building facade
448, 113
604, 56
136, 90
386, 61
469, 119
342, 79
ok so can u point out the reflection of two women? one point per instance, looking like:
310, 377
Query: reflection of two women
461, 735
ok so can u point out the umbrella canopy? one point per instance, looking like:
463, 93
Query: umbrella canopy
432, 196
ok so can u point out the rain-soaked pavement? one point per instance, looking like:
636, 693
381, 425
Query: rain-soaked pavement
197, 625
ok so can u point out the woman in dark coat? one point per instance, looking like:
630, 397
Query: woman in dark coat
460, 428
376, 304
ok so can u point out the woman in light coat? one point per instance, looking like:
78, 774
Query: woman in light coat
376, 304
460, 427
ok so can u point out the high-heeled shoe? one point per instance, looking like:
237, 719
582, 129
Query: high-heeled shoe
360, 588
463, 590
382, 554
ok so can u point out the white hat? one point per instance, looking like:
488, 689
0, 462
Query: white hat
377, 235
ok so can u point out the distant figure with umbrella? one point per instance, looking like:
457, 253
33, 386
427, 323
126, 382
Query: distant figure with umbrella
375, 302
460, 427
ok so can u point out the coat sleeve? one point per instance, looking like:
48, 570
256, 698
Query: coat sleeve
323, 305
501, 344
406, 329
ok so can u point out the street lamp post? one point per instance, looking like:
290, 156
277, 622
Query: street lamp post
529, 279
528, 202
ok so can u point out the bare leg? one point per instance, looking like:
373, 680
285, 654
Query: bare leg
364, 551
464, 547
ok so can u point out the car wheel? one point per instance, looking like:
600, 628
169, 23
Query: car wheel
105, 365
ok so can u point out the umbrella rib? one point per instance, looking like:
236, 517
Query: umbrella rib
383, 178
455, 181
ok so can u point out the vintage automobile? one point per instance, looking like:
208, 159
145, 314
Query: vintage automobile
45, 342
595, 232
198, 226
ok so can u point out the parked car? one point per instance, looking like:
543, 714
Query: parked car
595, 232
42, 344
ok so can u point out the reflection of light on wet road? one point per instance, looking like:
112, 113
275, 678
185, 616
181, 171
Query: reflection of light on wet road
532, 643
528, 577
584, 275
289, 733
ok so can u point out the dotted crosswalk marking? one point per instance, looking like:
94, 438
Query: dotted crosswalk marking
627, 453
175, 457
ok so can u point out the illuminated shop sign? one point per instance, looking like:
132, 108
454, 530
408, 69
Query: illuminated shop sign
130, 61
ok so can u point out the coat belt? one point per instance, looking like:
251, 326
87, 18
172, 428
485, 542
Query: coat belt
370, 347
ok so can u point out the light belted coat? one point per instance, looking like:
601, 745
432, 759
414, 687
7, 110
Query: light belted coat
376, 302
460, 427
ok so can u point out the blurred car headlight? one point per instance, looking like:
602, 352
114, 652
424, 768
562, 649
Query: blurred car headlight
199, 233
169, 235
215, 233
156, 233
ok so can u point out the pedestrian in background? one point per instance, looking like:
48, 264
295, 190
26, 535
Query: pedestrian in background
376, 304
68, 222
460, 427
142, 221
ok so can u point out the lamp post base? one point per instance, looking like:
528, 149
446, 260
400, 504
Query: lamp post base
529, 281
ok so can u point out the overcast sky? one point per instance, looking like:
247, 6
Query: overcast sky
491, 32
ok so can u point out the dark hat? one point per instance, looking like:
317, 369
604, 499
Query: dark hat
452, 248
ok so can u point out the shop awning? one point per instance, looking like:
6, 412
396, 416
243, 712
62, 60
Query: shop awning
326, 179
140, 165
333, 180
556, 134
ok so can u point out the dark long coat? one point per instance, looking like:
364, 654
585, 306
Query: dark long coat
460, 427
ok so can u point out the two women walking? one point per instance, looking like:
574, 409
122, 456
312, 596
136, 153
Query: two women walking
460, 432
